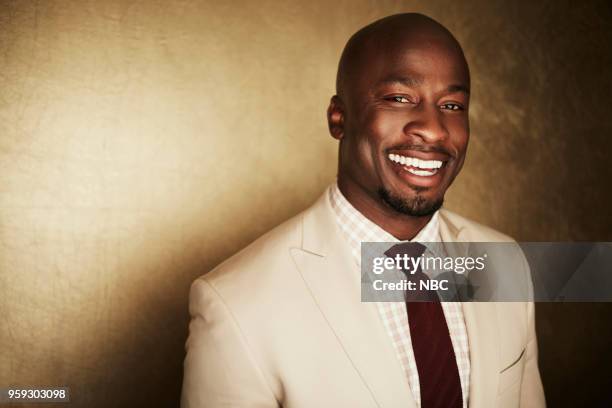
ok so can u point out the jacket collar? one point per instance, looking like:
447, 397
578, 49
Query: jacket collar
319, 227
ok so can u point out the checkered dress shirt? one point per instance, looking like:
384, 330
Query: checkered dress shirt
356, 229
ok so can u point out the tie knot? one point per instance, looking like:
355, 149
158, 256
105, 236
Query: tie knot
413, 271
412, 249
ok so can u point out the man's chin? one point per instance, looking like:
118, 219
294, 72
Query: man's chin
417, 206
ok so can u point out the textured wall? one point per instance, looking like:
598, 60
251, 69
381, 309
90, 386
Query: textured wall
142, 142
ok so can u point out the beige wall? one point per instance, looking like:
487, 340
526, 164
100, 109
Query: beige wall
141, 143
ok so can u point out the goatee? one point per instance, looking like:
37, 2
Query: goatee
414, 207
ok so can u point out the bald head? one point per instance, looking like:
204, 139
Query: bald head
386, 39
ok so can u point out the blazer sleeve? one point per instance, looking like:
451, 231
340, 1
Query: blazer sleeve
532, 391
219, 369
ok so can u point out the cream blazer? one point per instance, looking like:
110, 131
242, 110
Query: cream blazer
281, 324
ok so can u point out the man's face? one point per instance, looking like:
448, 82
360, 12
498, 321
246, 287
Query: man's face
406, 129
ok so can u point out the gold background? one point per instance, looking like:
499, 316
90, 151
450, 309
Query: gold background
142, 142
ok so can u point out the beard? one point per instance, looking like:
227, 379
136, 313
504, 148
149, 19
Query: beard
414, 207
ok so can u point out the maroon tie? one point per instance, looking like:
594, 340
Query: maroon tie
433, 350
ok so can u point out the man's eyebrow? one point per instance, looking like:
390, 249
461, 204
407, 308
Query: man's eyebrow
402, 80
458, 88
416, 81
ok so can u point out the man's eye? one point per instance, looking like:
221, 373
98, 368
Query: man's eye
451, 106
400, 99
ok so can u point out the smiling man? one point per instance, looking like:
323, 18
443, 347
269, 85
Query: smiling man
401, 115
282, 324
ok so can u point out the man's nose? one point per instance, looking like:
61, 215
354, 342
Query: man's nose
427, 123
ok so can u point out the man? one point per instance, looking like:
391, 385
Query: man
281, 323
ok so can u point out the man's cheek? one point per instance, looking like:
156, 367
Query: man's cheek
385, 130
366, 156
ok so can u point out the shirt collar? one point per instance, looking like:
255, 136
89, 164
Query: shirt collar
357, 228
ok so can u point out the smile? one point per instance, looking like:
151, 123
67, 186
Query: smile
418, 167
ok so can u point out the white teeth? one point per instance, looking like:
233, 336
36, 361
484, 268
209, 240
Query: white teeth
422, 172
418, 163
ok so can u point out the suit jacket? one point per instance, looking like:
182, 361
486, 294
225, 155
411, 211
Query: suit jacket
281, 324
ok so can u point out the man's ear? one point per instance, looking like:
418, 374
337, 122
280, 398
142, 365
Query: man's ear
335, 117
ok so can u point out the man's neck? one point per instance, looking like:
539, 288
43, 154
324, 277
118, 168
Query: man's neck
401, 226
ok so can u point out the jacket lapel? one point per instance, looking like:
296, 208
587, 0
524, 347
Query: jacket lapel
483, 333
333, 278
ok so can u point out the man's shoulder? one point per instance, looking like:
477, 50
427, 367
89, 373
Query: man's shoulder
261, 273
469, 230
505, 254
269, 251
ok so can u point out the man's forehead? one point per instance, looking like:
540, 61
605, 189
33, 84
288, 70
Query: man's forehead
402, 49
411, 51
410, 67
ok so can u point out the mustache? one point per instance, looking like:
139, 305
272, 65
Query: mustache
422, 148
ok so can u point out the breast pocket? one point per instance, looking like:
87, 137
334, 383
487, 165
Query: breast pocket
512, 373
